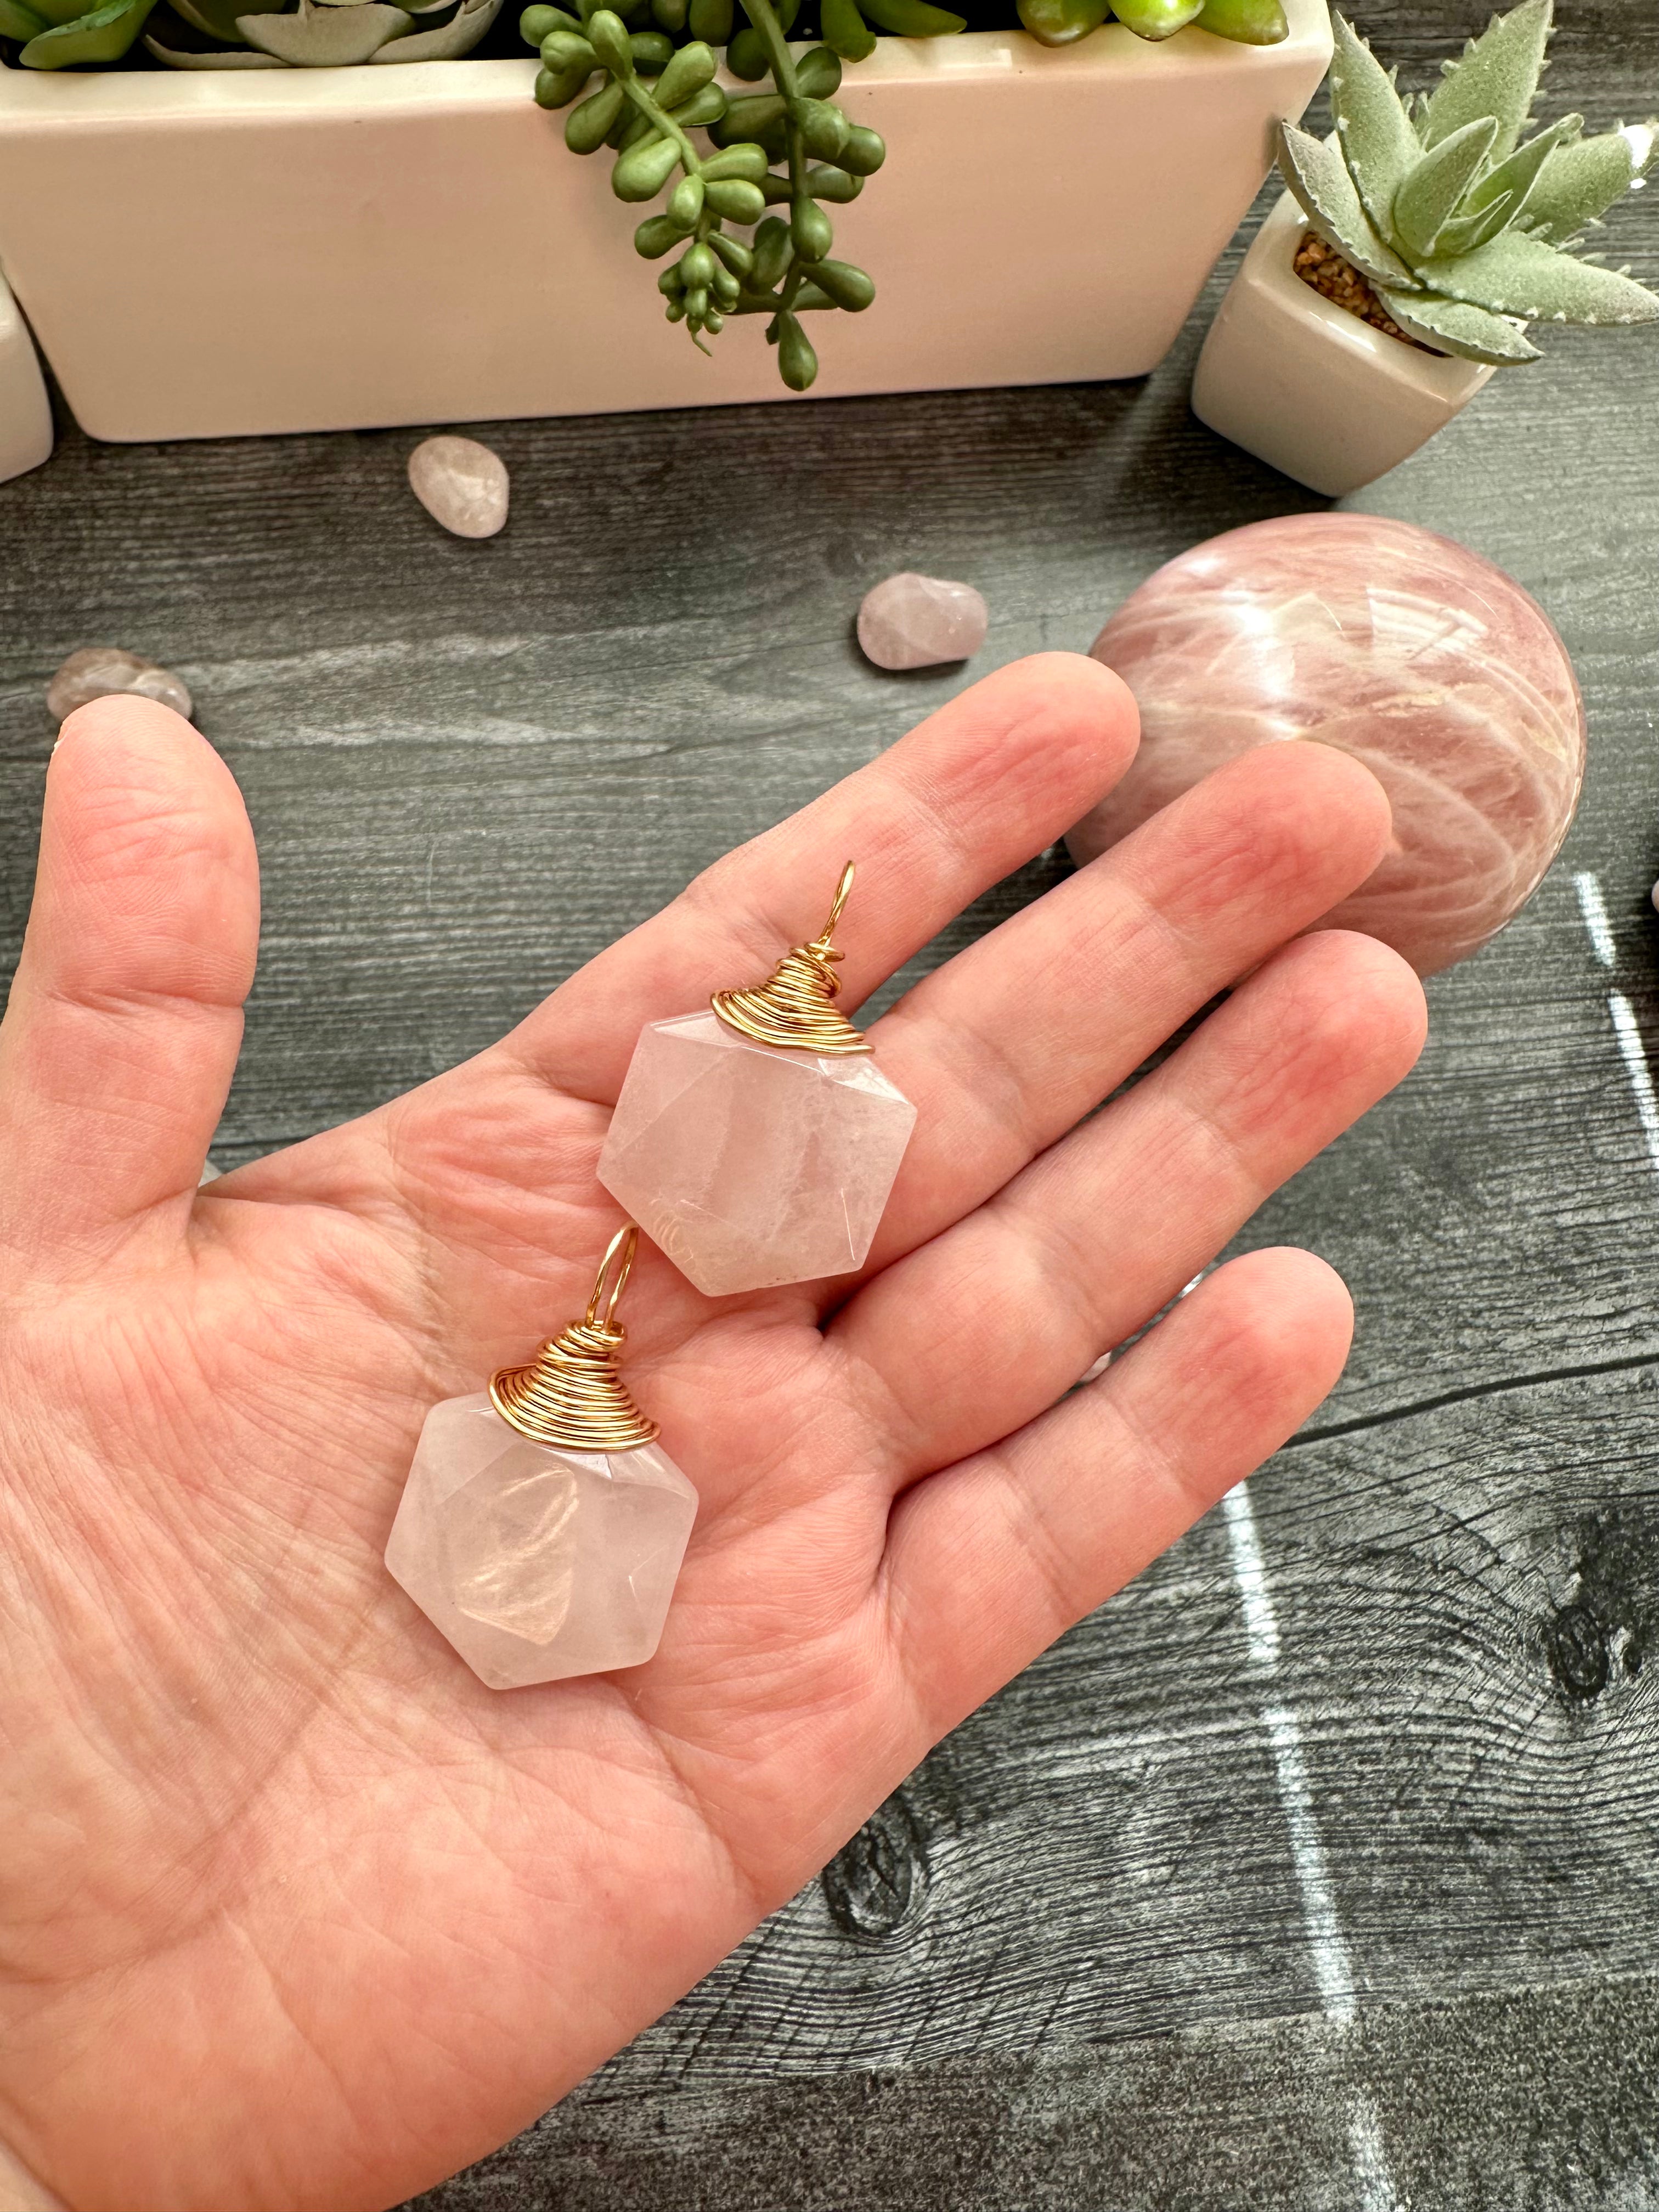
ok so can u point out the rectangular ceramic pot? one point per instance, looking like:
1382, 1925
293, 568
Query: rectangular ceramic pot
1308, 388
214, 253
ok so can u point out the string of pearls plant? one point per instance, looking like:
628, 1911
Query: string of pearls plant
791, 148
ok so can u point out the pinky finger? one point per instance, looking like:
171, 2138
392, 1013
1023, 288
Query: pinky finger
988, 1561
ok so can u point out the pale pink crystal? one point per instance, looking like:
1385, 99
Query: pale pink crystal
750, 1165
96, 671
461, 484
537, 1563
1421, 659
917, 622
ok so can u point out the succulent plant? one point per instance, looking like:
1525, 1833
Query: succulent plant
249, 33
1248, 22
1463, 226
790, 148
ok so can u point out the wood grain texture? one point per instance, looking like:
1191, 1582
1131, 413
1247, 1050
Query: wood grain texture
1071, 1963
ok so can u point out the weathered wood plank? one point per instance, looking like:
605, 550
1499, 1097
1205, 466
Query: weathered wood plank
1537, 2100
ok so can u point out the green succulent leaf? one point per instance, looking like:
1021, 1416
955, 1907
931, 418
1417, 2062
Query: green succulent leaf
587, 127
1517, 174
864, 153
217, 57
846, 31
798, 364
1431, 194
1515, 275
1497, 76
847, 287
748, 163
216, 19
1316, 172
703, 108
1246, 22
910, 19
746, 56
1465, 232
1578, 184
817, 73
1062, 22
692, 67
17, 21
325, 38
1456, 327
447, 42
1156, 19
710, 21
1373, 129
644, 169
104, 35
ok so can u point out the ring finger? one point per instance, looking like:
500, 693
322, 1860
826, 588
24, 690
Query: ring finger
978, 1332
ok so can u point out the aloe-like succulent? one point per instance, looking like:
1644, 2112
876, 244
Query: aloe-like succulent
1464, 227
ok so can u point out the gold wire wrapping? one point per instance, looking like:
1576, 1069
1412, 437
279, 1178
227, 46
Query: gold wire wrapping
572, 1393
795, 1007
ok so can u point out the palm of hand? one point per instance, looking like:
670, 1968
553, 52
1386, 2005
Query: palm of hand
295, 1912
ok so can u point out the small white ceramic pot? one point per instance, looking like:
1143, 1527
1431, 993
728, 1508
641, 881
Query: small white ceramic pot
25, 411
1308, 388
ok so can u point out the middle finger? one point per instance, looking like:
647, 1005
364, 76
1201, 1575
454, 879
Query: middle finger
1013, 1042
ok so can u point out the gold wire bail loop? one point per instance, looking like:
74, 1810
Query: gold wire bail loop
795, 1007
572, 1393
625, 1242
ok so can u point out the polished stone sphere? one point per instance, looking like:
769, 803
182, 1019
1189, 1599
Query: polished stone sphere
1418, 657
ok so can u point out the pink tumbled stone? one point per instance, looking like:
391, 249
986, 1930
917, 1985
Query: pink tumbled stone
1421, 659
535, 1562
751, 1165
921, 622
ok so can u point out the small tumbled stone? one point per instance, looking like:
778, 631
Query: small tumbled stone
97, 671
461, 484
917, 622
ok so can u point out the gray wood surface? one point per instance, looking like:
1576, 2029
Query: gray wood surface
1181, 1919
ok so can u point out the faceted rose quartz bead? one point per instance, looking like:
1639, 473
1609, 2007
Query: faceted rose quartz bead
917, 622
1421, 659
751, 1165
537, 1562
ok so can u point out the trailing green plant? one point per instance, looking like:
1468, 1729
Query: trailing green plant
716, 163
789, 148
1465, 228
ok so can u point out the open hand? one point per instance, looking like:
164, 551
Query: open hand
294, 1911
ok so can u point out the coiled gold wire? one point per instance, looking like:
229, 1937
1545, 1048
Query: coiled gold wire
572, 1393
795, 1007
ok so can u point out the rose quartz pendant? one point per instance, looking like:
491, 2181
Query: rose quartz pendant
758, 1143
541, 1529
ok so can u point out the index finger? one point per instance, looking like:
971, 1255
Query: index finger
980, 787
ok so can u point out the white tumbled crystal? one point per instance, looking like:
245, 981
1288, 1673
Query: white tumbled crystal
98, 671
916, 621
461, 484
750, 1164
536, 1562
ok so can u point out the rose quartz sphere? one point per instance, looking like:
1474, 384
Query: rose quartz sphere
1419, 658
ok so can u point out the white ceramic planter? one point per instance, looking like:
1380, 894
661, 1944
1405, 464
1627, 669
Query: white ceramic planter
25, 411
213, 253
1308, 388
